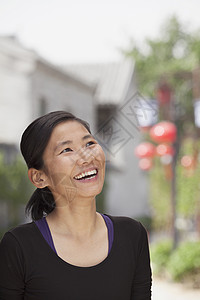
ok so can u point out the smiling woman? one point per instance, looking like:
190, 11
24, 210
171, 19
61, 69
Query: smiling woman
69, 250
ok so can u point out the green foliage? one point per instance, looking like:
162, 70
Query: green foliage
184, 262
160, 253
15, 187
188, 192
188, 186
175, 50
181, 264
169, 58
188, 189
159, 196
14, 183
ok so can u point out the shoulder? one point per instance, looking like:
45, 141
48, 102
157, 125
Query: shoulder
125, 222
128, 226
19, 233
26, 228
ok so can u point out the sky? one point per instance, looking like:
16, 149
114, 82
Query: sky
90, 31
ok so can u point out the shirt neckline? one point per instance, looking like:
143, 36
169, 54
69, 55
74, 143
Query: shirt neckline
105, 260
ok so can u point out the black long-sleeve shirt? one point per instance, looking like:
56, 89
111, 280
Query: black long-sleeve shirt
31, 270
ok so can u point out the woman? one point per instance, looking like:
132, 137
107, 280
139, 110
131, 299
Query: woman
70, 251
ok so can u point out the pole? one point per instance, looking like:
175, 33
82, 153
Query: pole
176, 145
167, 112
196, 97
174, 231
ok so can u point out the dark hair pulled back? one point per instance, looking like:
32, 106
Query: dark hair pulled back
33, 144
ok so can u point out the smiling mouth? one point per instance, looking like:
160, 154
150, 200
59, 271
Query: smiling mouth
87, 175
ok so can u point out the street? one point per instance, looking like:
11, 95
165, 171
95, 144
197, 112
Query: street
163, 290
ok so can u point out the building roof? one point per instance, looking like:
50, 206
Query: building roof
111, 79
108, 81
11, 46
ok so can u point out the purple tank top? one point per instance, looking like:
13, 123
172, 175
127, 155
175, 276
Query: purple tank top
44, 229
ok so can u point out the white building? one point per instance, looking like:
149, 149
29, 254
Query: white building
30, 87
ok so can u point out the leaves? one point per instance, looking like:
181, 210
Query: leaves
15, 187
185, 260
175, 50
170, 58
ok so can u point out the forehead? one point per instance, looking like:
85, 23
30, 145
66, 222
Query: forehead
68, 130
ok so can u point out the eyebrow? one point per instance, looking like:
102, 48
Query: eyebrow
68, 142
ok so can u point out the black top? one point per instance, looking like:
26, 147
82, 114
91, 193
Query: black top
31, 270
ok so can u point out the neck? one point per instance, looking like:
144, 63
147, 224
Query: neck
77, 218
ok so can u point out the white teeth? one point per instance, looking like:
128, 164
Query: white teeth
82, 175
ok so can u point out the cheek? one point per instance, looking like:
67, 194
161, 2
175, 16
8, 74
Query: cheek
58, 173
59, 178
99, 154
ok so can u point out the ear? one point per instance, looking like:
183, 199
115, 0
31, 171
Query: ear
38, 178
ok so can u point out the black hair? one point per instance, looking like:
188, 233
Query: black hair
33, 143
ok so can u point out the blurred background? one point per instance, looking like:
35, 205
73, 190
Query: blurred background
132, 70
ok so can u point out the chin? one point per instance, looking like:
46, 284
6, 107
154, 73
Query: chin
91, 192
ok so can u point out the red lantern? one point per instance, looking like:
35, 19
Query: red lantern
145, 164
164, 94
164, 149
163, 132
145, 149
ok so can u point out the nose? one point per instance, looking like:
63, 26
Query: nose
84, 156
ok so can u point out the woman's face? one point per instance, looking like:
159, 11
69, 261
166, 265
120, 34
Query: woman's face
74, 163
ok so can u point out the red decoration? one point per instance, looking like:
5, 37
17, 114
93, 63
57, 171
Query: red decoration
164, 94
145, 164
163, 132
145, 149
164, 149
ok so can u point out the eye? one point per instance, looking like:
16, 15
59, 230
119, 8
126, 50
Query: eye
66, 150
90, 143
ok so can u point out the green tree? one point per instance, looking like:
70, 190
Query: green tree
15, 187
171, 58
175, 51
